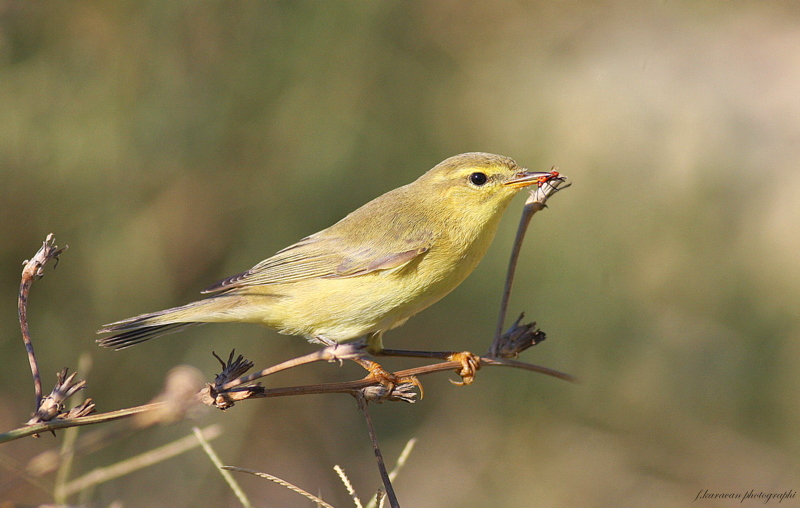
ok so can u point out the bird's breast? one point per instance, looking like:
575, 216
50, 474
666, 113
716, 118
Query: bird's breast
350, 307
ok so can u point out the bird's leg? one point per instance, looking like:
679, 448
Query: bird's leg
470, 363
384, 377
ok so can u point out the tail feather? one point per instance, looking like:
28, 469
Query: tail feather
149, 326
139, 335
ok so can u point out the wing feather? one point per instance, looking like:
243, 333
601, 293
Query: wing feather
353, 246
321, 258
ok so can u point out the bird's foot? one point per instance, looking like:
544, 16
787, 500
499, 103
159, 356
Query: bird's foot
388, 379
470, 364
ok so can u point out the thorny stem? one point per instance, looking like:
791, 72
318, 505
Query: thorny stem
33, 270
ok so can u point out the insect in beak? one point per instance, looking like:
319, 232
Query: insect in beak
528, 178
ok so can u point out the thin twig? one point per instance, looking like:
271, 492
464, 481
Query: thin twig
354, 386
343, 387
507, 362
222, 393
387, 483
102, 475
536, 202
34, 270
38, 428
524, 221
232, 483
330, 353
280, 482
401, 461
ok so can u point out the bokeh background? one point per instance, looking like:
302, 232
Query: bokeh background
173, 143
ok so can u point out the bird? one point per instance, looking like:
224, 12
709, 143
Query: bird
368, 273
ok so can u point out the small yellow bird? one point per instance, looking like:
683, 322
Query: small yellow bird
368, 273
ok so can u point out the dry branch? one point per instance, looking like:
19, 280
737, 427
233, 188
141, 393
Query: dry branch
32, 270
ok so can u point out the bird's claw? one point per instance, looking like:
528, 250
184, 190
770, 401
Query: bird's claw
470, 364
388, 379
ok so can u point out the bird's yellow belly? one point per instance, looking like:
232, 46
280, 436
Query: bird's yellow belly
348, 308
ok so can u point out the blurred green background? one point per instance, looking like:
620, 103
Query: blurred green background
171, 144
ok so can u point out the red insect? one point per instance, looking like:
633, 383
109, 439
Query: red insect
551, 175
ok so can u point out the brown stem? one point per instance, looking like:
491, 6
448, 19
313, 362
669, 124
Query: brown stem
387, 483
524, 221
353, 387
33, 270
330, 353
39, 428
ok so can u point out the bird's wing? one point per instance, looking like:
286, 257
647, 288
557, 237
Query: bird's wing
325, 256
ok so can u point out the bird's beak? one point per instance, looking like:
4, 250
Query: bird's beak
526, 178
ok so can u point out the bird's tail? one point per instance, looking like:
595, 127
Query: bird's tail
149, 326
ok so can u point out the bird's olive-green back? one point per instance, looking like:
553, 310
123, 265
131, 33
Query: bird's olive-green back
441, 209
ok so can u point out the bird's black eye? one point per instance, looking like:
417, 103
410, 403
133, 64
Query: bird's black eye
478, 179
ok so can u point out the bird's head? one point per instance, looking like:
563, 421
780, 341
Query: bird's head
478, 184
